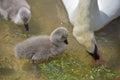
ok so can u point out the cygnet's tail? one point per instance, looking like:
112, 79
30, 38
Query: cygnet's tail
18, 51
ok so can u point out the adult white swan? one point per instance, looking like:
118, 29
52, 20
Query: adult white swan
88, 16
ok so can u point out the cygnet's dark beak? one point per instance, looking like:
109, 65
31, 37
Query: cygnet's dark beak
26, 27
66, 41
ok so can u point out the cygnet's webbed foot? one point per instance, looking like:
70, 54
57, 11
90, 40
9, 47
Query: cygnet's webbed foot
26, 27
97, 59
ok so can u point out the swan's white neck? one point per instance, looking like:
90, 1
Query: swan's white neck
70, 6
92, 12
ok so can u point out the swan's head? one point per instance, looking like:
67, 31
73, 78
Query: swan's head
87, 40
23, 17
59, 36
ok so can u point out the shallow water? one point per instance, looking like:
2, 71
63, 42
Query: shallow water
75, 63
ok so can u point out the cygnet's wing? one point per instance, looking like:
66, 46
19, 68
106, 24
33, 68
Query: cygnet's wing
45, 52
27, 48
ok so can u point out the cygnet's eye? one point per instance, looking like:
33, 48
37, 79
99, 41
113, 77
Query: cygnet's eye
64, 37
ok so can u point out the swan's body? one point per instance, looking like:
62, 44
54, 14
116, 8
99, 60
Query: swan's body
42, 47
88, 16
17, 11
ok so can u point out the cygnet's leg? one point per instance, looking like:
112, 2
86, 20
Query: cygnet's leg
32, 61
37, 69
34, 68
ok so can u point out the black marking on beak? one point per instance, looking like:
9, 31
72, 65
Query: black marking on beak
26, 27
66, 41
95, 53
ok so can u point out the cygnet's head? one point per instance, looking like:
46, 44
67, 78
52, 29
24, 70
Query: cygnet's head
23, 17
59, 36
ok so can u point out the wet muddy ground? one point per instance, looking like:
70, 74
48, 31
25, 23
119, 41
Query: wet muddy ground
74, 64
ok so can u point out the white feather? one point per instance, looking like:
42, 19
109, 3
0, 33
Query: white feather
88, 16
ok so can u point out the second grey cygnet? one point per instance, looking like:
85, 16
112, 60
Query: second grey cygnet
43, 47
18, 11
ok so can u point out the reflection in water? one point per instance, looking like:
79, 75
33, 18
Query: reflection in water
75, 63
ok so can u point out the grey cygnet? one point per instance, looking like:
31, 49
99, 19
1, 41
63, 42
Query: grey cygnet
43, 47
17, 11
